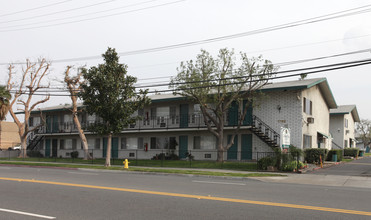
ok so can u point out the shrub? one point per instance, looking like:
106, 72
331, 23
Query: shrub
265, 162
351, 152
338, 152
74, 154
292, 165
312, 155
295, 152
162, 156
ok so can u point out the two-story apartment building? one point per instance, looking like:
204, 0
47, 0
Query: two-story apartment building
173, 125
342, 126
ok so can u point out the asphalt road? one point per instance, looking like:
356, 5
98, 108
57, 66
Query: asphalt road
361, 167
91, 194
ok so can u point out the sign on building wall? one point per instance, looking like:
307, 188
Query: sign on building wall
285, 138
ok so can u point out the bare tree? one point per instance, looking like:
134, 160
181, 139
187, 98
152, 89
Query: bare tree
30, 83
364, 130
74, 85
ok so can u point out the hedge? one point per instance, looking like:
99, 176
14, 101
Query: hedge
312, 155
339, 153
351, 152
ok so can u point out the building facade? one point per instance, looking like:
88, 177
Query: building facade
342, 121
173, 125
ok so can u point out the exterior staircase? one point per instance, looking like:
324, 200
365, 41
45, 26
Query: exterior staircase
32, 144
265, 133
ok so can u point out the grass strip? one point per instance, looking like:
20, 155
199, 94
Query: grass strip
149, 170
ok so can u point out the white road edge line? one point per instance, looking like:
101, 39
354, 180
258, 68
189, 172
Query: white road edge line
27, 213
226, 183
95, 174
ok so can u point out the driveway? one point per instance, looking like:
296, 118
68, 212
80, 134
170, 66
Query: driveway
360, 167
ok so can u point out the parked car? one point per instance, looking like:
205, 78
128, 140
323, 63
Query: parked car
17, 147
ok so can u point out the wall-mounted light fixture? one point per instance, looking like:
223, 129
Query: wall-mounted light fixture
279, 108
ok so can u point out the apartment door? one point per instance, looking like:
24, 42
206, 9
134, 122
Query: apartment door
47, 148
183, 146
233, 114
246, 147
184, 115
55, 148
55, 126
248, 117
232, 151
48, 125
114, 147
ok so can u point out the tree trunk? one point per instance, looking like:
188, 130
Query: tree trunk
82, 137
1, 141
220, 155
23, 153
108, 152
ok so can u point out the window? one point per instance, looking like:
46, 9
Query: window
345, 143
174, 119
153, 143
74, 144
307, 141
61, 144
208, 142
68, 144
132, 143
140, 143
346, 123
173, 143
123, 143
97, 144
30, 122
307, 106
160, 143
90, 143
196, 142
204, 142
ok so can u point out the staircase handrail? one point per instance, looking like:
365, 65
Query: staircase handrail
271, 132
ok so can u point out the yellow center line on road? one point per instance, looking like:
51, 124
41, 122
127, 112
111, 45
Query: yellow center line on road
285, 205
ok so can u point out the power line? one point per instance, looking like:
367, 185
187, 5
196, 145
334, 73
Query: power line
335, 15
57, 12
279, 72
32, 9
94, 18
325, 68
296, 61
77, 16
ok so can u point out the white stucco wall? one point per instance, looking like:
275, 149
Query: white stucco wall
349, 132
337, 129
320, 113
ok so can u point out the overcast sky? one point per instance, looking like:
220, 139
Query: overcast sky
78, 29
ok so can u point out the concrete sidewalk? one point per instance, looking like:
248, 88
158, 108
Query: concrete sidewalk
321, 180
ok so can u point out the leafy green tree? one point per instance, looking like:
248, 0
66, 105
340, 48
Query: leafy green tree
218, 84
4, 105
109, 93
4, 102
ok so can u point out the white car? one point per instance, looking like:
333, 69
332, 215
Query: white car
18, 147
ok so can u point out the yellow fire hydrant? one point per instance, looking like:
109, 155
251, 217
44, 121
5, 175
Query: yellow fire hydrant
126, 164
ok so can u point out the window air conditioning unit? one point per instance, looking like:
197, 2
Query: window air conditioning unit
310, 120
346, 131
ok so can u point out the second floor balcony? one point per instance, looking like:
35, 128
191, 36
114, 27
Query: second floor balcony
151, 123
